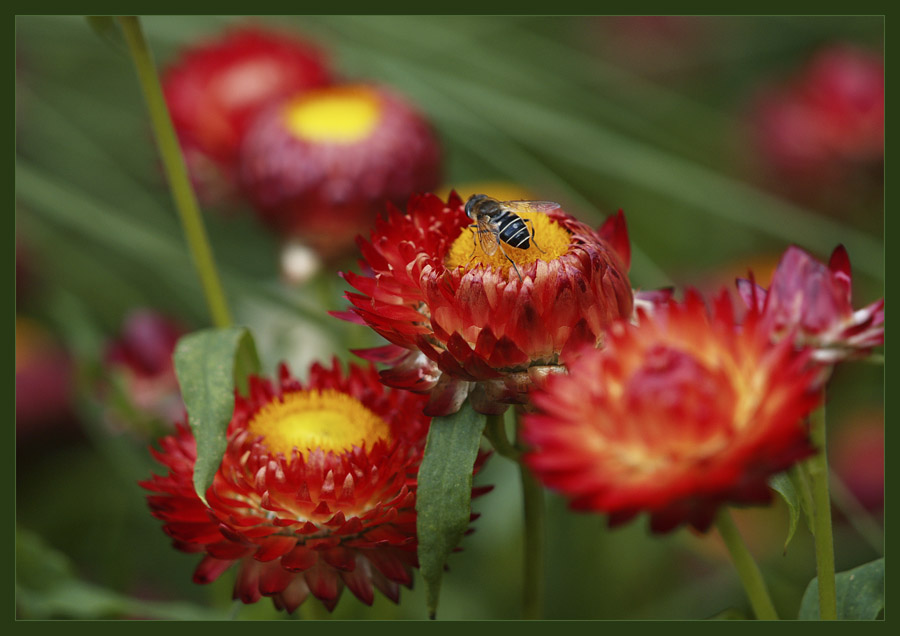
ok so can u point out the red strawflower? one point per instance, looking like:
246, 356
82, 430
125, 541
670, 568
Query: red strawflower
820, 131
321, 165
316, 490
460, 321
215, 89
45, 381
140, 366
813, 301
674, 417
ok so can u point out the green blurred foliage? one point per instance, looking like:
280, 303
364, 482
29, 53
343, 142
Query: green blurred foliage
558, 105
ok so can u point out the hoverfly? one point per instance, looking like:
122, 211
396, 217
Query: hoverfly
497, 222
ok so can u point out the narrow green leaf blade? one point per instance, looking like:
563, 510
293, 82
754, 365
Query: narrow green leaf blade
101, 24
209, 364
444, 493
105, 26
783, 485
860, 594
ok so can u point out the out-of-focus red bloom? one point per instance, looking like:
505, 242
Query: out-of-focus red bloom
216, 88
662, 46
321, 165
821, 130
812, 301
45, 380
316, 491
140, 366
857, 456
674, 417
461, 322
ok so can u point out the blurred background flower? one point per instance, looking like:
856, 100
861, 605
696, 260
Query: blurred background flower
216, 88
820, 132
540, 102
500, 190
857, 454
139, 387
45, 381
322, 165
661, 47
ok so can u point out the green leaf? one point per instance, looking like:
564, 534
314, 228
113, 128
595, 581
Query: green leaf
82, 600
47, 588
799, 478
38, 565
209, 365
730, 614
783, 485
444, 493
860, 594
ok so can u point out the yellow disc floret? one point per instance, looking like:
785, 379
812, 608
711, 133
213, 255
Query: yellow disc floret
327, 419
549, 236
333, 115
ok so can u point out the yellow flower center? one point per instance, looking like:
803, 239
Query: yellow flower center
549, 236
333, 115
328, 419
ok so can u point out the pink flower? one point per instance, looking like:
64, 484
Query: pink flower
814, 300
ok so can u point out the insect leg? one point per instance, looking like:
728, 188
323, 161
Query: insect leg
532, 235
511, 262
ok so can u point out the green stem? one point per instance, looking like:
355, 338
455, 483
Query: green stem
817, 469
533, 507
533, 500
748, 571
176, 172
495, 431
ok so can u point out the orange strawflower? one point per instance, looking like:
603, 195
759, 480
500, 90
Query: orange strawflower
674, 417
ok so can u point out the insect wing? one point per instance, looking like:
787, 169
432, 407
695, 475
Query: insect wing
530, 206
487, 235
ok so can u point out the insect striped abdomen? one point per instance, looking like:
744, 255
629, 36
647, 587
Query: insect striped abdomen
511, 229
